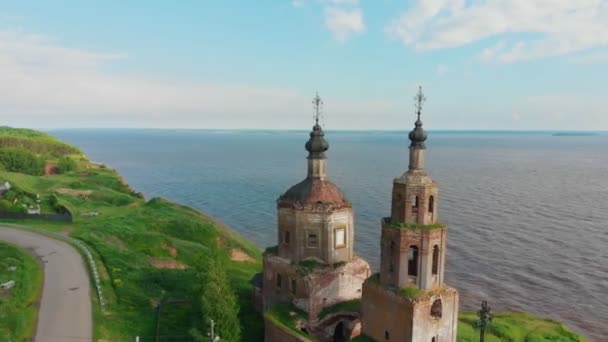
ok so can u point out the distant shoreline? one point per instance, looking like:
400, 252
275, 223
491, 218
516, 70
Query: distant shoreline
337, 131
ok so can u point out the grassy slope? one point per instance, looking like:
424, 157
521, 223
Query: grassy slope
18, 307
126, 232
516, 327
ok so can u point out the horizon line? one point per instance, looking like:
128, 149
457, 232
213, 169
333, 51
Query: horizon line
546, 130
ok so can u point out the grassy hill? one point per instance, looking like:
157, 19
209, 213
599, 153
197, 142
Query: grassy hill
18, 310
151, 251
147, 251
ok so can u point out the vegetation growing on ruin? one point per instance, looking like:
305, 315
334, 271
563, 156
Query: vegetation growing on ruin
410, 292
353, 305
411, 225
286, 317
274, 250
18, 306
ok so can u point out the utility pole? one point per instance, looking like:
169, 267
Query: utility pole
212, 336
485, 317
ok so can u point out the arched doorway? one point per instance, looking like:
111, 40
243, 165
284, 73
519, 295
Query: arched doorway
339, 333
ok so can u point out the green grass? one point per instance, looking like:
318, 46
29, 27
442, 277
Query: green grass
510, 327
353, 305
127, 233
410, 292
411, 225
516, 327
18, 306
286, 316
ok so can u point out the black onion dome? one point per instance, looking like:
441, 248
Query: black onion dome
316, 145
418, 135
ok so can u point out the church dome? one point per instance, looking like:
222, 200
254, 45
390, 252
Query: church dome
317, 145
314, 191
417, 135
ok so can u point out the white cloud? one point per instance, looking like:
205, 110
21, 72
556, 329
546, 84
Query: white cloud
441, 70
551, 27
598, 57
298, 3
44, 84
343, 23
516, 116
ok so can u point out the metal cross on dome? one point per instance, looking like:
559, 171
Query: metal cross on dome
420, 99
317, 103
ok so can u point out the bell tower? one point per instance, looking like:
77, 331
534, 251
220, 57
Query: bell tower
313, 266
412, 259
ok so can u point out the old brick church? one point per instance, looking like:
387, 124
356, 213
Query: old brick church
314, 287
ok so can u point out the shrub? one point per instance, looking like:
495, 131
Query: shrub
22, 161
218, 300
66, 164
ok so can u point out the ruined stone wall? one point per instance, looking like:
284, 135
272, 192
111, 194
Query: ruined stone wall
315, 288
444, 328
337, 285
384, 313
402, 239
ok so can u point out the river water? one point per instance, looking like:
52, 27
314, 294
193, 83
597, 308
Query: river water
527, 212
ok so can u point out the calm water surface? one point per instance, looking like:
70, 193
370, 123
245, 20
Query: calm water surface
527, 213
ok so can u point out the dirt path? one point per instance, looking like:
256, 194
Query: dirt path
65, 309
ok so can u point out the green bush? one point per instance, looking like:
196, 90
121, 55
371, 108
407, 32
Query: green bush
22, 161
66, 164
8, 206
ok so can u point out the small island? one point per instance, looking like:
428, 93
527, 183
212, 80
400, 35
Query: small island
574, 134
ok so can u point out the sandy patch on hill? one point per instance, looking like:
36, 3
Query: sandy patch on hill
67, 231
114, 241
166, 263
170, 248
238, 255
74, 192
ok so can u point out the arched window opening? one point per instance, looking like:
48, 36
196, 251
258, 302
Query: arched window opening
386, 335
433, 339
415, 203
431, 204
293, 286
412, 265
339, 333
279, 281
435, 260
436, 309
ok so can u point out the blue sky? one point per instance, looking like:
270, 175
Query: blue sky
517, 64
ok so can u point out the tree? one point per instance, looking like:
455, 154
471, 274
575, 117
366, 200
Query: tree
66, 164
23, 161
218, 300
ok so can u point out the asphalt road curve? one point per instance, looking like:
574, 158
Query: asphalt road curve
65, 308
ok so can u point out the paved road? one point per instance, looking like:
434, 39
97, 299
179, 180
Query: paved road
65, 310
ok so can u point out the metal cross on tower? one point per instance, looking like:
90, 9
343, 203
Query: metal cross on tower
419, 98
317, 103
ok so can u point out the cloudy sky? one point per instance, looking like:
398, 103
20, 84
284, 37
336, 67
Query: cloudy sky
510, 64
